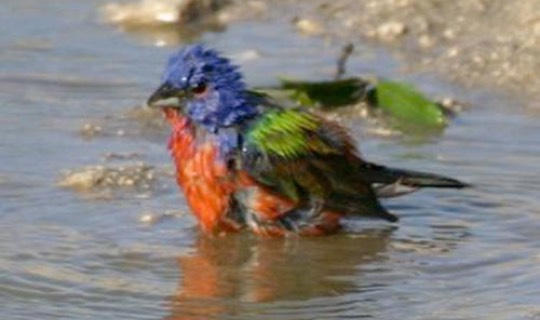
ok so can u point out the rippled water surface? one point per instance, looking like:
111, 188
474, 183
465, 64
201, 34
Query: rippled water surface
472, 254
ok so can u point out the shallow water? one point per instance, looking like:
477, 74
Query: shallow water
470, 254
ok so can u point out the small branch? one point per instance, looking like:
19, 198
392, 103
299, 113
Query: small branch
342, 60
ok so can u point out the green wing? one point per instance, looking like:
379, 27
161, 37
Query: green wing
290, 134
299, 155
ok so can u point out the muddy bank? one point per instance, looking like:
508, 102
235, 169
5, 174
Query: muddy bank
492, 43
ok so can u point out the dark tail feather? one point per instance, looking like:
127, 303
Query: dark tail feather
421, 179
363, 204
383, 175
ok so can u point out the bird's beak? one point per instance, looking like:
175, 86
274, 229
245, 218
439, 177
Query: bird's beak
166, 96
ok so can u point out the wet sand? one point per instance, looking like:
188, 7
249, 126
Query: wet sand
492, 44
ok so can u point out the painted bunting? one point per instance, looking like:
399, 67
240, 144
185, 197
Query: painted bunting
244, 162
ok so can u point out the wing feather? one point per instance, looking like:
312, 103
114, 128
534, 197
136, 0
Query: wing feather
310, 160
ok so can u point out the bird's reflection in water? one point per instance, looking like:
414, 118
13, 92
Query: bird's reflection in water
222, 275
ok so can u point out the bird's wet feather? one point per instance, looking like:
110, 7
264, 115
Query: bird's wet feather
244, 162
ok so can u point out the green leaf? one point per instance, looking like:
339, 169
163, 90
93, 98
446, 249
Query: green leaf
405, 103
325, 94
274, 93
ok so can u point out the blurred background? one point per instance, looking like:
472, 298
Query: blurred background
92, 225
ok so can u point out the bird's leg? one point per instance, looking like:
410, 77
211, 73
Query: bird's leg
265, 227
321, 221
298, 218
316, 208
311, 221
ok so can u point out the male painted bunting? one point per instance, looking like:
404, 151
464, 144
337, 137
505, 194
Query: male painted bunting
243, 161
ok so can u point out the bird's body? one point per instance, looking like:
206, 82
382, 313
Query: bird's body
226, 199
245, 162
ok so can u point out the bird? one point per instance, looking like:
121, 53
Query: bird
245, 162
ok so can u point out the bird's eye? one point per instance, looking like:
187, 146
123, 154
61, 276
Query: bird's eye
199, 89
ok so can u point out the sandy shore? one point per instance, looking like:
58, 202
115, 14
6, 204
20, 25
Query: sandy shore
482, 43
479, 43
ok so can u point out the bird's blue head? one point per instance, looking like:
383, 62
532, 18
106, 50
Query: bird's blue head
205, 87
